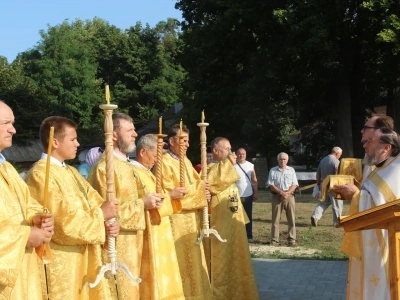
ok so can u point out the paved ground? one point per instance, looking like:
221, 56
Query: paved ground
292, 279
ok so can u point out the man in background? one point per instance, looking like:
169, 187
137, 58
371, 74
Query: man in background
248, 188
328, 166
283, 182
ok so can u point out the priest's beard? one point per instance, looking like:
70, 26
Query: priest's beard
125, 146
372, 159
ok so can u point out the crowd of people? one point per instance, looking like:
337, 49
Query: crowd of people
62, 208
58, 207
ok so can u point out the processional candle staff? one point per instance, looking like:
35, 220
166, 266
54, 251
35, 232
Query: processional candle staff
44, 251
206, 231
113, 266
176, 203
155, 217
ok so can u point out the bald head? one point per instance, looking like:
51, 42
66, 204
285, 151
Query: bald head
7, 129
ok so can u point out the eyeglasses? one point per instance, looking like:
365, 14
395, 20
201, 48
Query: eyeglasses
368, 127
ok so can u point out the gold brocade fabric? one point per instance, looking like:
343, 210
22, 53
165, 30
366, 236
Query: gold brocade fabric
232, 275
369, 268
20, 276
186, 227
351, 245
160, 275
331, 180
78, 232
351, 166
129, 243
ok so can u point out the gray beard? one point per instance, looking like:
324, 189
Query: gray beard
371, 160
126, 148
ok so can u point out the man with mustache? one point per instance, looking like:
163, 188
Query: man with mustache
132, 206
368, 249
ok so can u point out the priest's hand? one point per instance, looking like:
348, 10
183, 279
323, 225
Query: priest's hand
178, 193
38, 237
112, 229
346, 190
45, 222
110, 209
153, 200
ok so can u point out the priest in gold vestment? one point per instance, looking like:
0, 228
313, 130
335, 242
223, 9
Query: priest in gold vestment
160, 269
129, 243
368, 249
231, 269
21, 228
79, 213
186, 225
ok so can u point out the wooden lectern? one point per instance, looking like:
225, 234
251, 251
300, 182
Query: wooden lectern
386, 216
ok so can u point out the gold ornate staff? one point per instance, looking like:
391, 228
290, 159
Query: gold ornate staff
113, 265
206, 231
44, 251
155, 217
176, 203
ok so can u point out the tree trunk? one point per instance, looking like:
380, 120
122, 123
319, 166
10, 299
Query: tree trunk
393, 103
344, 136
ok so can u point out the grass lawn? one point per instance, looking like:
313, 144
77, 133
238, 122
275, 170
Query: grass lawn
325, 238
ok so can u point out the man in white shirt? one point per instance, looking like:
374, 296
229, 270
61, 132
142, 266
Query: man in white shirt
283, 182
248, 188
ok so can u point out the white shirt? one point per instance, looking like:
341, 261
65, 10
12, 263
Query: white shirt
244, 184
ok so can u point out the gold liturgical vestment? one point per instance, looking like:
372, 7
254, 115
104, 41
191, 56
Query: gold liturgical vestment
129, 242
160, 270
232, 275
20, 277
368, 250
78, 231
186, 227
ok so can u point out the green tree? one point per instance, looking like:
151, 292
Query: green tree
21, 94
308, 62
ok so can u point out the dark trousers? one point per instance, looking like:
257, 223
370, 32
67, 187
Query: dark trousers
248, 208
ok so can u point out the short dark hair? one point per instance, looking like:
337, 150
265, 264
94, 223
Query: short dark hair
173, 131
116, 117
59, 124
392, 138
384, 121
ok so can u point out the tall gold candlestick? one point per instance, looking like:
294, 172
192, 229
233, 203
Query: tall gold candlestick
46, 179
113, 266
44, 251
176, 203
181, 156
206, 231
155, 217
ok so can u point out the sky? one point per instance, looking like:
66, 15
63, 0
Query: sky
21, 20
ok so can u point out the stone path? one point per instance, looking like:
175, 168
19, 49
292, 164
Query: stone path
296, 279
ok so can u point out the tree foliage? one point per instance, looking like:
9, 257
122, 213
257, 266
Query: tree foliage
262, 66
65, 73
